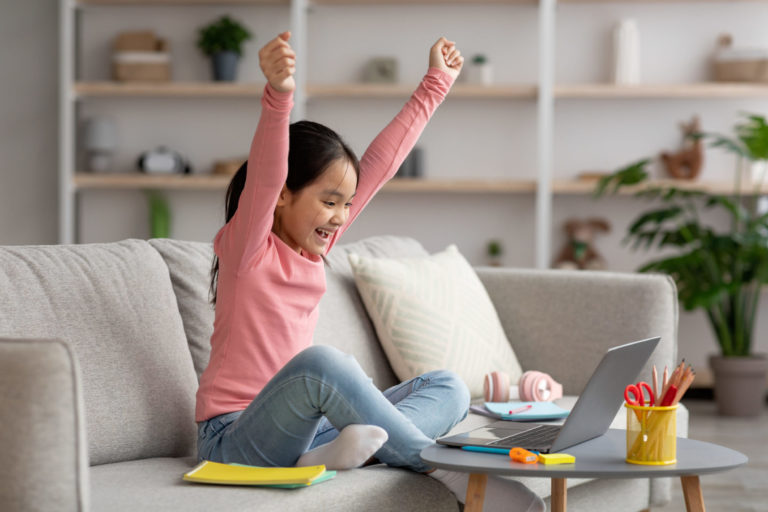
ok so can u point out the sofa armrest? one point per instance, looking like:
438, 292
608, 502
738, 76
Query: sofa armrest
45, 461
562, 322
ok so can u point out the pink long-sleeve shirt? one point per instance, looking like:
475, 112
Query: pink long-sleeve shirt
268, 294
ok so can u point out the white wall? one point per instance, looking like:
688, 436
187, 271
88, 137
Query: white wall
467, 137
28, 122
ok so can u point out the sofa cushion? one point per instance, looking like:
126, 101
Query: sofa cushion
344, 322
433, 313
190, 266
156, 485
114, 304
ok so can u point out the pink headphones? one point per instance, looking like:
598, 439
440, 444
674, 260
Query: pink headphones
533, 386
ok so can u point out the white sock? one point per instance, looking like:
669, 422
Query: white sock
354, 445
500, 494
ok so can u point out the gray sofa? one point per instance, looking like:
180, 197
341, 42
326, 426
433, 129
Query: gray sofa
101, 346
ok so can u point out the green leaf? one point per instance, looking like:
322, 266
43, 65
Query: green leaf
719, 270
654, 217
632, 174
224, 34
754, 136
738, 212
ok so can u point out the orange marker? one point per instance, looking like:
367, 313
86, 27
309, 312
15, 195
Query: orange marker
523, 455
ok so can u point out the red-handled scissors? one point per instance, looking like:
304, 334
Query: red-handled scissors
635, 391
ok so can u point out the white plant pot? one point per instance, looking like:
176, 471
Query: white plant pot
480, 74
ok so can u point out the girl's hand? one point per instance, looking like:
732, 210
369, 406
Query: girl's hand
278, 63
445, 56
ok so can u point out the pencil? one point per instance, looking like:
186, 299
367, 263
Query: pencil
665, 381
655, 376
685, 385
670, 382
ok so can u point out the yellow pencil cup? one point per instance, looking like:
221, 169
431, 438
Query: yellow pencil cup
651, 435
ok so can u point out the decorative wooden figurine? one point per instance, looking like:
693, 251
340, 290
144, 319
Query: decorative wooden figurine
578, 252
686, 163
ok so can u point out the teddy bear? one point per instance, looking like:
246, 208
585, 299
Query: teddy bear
578, 252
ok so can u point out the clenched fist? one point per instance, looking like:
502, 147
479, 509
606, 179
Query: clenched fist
278, 63
445, 56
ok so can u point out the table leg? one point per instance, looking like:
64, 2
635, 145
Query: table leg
694, 500
559, 496
475, 492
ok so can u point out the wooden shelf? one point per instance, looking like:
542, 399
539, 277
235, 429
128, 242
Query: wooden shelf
706, 90
375, 2
360, 90
459, 90
129, 180
136, 180
587, 187
490, 185
169, 89
416, 2
145, 3
84, 180
232, 90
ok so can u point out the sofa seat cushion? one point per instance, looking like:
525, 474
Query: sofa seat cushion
115, 306
156, 485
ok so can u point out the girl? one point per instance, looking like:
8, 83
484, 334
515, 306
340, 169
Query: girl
268, 397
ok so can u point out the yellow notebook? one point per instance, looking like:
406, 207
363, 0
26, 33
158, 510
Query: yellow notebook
216, 473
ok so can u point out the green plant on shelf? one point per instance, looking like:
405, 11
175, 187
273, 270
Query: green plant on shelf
225, 34
721, 271
479, 59
495, 251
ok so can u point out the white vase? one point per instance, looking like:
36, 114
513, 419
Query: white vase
626, 53
100, 142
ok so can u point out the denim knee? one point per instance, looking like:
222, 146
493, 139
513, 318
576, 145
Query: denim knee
324, 356
455, 390
330, 364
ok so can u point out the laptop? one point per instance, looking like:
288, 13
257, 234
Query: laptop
591, 415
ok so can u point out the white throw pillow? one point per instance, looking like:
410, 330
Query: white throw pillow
433, 313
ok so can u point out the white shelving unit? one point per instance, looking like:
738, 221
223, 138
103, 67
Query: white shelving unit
545, 93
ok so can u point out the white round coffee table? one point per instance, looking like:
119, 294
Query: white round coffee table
602, 457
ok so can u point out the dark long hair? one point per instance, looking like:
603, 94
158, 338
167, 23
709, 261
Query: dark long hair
312, 148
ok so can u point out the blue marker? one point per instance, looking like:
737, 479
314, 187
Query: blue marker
486, 449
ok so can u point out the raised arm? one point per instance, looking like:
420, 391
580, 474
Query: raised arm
386, 153
246, 233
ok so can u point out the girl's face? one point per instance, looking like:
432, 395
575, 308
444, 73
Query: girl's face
307, 220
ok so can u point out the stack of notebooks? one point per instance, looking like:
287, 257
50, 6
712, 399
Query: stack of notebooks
521, 411
208, 472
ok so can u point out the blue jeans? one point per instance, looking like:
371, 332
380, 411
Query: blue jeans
319, 392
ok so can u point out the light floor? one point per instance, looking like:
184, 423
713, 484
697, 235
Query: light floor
741, 489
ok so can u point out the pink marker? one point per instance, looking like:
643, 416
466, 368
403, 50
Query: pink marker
521, 409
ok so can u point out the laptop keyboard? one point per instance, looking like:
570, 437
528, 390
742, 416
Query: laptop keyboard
537, 437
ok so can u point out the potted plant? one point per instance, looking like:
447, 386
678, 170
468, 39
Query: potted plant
222, 40
495, 251
480, 71
720, 272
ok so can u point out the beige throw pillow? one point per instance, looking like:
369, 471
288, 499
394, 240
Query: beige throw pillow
433, 313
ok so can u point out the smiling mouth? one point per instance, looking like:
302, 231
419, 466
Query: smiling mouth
323, 233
